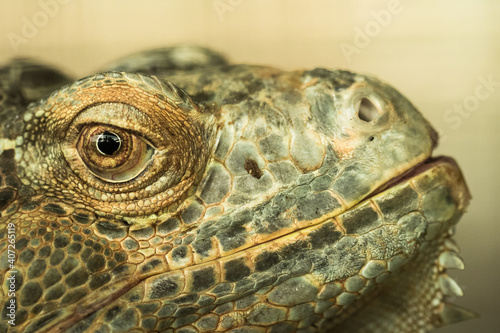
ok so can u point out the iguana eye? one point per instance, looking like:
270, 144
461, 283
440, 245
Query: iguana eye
132, 144
113, 154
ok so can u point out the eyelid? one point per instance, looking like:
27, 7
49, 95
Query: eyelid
124, 117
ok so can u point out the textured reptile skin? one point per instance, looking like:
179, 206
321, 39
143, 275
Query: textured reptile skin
226, 198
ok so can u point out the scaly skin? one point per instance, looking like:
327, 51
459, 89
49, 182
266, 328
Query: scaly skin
247, 200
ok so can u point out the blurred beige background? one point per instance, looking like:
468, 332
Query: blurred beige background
436, 52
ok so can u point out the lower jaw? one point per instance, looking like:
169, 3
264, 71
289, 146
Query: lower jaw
439, 175
421, 288
435, 190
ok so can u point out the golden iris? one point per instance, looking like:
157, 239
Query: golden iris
113, 154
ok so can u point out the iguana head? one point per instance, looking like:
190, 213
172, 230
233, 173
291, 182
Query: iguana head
197, 195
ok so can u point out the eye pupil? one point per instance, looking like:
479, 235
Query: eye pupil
108, 143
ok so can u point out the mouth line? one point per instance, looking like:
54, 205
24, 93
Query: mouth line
414, 171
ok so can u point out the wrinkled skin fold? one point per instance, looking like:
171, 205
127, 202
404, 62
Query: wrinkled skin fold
176, 192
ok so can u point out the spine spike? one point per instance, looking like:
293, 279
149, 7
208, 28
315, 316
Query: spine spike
451, 260
449, 287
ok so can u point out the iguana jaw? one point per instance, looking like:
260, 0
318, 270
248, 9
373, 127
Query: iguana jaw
422, 288
433, 173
